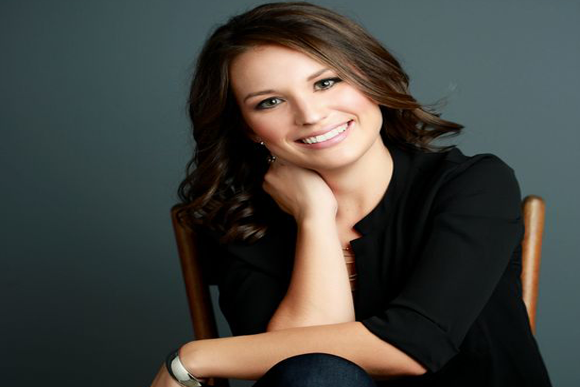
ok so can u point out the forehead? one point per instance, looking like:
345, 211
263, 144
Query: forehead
261, 65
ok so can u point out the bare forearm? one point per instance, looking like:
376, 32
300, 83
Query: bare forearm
319, 291
251, 356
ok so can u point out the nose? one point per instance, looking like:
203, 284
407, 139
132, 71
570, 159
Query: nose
308, 110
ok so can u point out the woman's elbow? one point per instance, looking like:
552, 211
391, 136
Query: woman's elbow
416, 369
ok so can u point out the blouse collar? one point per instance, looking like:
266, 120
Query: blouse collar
377, 216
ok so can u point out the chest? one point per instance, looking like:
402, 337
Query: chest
346, 231
347, 234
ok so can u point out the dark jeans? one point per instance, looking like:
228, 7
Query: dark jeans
315, 370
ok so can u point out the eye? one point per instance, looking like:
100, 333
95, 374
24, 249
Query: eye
266, 104
328, 83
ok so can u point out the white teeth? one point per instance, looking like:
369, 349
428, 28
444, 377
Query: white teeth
326, 136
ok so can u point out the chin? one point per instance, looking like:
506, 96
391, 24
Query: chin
337, 163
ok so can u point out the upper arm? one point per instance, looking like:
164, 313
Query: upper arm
248, 297
476, 226
249, 289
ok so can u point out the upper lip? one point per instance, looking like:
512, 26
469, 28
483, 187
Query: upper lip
323, 131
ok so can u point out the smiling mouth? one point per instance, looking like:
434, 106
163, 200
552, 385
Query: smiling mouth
326, 136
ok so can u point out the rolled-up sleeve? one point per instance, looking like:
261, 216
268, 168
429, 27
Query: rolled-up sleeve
475, 227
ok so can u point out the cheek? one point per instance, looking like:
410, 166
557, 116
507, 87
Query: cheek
357, 102
367, 110
261, 125
268, 128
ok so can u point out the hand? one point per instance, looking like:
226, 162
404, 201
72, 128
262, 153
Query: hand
298, 191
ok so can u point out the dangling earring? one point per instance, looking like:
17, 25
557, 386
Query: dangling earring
261, 142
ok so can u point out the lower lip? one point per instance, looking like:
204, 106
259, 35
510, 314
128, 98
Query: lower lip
328, 143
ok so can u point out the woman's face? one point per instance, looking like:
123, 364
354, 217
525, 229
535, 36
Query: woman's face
286, 97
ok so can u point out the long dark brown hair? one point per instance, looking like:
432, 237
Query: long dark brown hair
223, 187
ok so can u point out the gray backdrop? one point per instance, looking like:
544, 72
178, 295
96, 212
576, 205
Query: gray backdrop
94, 140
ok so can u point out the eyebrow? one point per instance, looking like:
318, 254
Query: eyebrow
316, 74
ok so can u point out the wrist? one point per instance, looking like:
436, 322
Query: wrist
316, 217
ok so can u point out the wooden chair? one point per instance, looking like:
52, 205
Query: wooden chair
197, 290
533, 211
200, 304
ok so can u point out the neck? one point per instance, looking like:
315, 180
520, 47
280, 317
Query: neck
359, 187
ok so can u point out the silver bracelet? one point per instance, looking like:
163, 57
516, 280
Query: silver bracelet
179, 372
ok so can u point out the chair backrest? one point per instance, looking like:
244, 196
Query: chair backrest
196, 287
200, 304
533, 210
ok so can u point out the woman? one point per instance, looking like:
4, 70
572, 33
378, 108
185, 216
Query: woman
347, 249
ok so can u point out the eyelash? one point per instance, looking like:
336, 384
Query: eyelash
260, 106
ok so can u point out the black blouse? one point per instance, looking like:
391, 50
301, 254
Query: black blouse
438, 265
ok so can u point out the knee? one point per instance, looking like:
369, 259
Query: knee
318, 370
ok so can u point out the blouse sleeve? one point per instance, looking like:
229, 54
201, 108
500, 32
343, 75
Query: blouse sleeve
476, 226
248, 294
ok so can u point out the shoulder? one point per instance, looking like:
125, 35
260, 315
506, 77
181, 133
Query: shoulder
454, 163
272, 254
484, 163
451, 178
480, 172
484, 170
483, 180
454, 169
